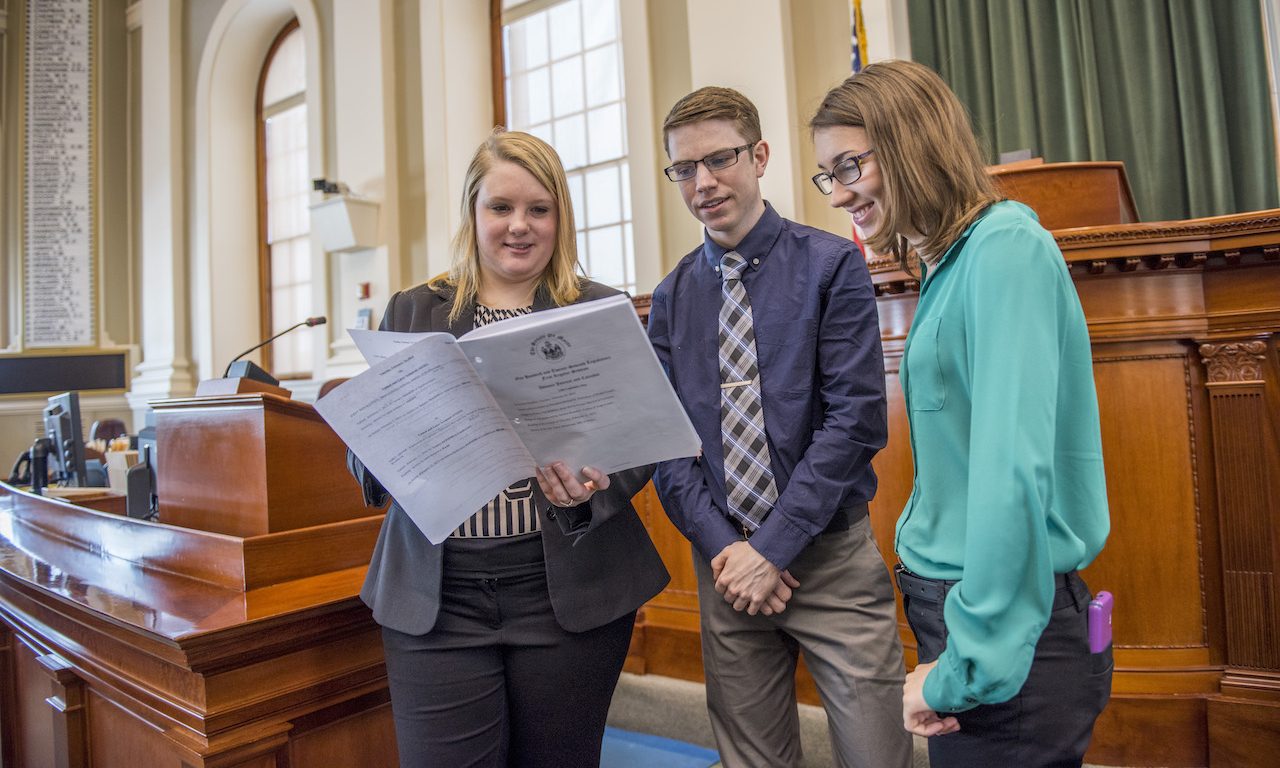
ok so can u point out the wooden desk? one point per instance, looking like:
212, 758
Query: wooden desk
126, 643
1185, 320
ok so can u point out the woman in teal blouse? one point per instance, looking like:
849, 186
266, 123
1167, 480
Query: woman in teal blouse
1009, 499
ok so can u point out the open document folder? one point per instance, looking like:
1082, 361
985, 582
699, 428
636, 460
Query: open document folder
445, 423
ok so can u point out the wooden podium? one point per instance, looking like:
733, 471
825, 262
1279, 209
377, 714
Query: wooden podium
1064, 195
250, 464
230, 634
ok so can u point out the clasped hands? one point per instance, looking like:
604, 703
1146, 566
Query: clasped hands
563, 488
749, 582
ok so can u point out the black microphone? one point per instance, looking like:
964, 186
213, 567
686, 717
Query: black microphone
309, 322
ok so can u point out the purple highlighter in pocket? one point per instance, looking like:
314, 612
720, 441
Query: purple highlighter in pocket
1100, 622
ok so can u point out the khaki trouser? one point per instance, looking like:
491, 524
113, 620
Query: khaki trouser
842, 617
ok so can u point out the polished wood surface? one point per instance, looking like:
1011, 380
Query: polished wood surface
1185, 322
124, 642
1085, 194
250, 464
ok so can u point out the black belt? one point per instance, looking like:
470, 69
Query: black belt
935, 590
844, 519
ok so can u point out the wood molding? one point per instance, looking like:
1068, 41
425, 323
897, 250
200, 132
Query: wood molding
1236, 362
8, 696
1220, 241
1243, 732
1214, 226
1151, 730
70, 747
497, 79
265, 308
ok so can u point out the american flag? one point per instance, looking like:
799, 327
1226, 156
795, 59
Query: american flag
858, 32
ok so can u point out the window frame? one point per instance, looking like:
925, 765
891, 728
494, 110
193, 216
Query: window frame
631, 268
264, 248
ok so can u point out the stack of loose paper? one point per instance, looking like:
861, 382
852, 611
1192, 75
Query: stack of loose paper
445, 424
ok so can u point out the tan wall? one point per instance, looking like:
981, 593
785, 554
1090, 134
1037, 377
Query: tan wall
822, 48
668, 37
819, 43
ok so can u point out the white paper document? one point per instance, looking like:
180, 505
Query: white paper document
445, 424
377, 346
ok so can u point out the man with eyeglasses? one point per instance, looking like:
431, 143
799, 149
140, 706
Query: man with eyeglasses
769, 334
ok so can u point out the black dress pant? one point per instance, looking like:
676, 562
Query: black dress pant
497, 683
1049, 722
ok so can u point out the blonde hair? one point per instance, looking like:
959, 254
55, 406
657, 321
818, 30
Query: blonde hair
559, 280
935, 175
713, 103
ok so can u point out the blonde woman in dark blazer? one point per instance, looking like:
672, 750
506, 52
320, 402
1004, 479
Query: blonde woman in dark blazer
505, 643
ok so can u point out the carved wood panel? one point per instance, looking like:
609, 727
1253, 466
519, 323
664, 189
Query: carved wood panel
366, 738
8, 696
70, 715
118, 738
49, 718
1237, 398
1152, 562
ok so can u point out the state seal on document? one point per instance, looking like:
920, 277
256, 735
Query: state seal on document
552, 346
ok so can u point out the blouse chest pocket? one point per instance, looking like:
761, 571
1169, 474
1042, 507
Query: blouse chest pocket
926, 390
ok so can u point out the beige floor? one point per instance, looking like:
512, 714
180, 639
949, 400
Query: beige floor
676, 709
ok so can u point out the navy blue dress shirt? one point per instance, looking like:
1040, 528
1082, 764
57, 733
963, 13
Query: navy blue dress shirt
821, 378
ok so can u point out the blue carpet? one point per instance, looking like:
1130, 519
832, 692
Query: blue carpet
624, 749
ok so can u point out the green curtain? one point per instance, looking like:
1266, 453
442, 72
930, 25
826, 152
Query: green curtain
1177, 89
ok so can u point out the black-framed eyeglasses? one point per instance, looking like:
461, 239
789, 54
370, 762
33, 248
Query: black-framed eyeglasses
847, 171
716, 161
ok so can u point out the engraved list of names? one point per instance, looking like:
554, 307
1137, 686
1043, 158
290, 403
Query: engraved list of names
59, 184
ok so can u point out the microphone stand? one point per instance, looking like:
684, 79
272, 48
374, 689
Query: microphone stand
310, 321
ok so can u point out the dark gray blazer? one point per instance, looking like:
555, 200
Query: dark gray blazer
601, 564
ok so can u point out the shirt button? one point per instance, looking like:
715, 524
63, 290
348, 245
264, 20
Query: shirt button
551, 514
755, 262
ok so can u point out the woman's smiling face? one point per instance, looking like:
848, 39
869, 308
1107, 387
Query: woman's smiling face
516, 225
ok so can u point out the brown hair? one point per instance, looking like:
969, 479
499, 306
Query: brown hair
559, 279
935, 175
713, 103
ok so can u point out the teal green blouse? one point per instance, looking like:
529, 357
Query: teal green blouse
1009, 486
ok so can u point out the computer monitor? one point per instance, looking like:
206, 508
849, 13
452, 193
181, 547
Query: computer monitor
62, 426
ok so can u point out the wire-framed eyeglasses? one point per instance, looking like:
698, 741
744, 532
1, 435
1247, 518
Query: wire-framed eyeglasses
847, 171
716, 161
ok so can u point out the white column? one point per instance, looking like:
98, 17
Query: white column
366, 159
457, 105
642, 126
746, 45
888, 36
165, 370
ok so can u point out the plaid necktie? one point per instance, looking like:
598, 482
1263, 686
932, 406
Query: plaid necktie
748, 478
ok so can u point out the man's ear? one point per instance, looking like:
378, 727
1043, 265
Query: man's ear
760, 154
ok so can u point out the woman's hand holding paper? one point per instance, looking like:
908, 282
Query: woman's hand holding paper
563, 488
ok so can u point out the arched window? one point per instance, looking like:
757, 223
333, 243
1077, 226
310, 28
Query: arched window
284, 220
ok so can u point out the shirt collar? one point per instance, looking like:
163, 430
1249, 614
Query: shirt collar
964, 236
754, 247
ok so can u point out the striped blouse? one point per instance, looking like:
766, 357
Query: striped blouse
511, 512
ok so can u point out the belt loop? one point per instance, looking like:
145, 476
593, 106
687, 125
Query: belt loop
1079, 592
